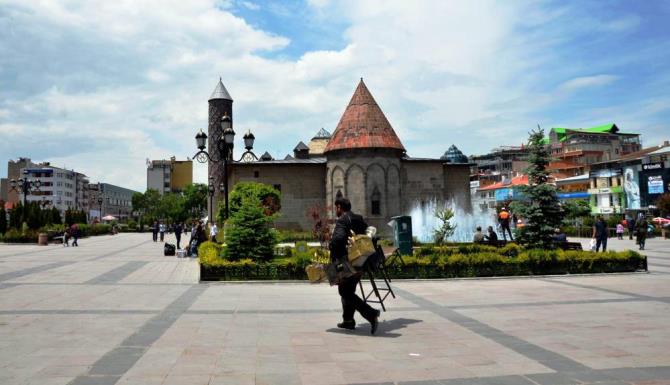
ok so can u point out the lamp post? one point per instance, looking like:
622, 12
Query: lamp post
25, 186
224, 146
100, 203
210, 190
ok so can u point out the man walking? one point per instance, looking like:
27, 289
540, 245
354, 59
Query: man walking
600, 233
631, 228
74, 231
154, 231
347, 222
504, 218
178, 229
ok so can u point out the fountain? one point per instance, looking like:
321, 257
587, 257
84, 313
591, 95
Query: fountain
424, 220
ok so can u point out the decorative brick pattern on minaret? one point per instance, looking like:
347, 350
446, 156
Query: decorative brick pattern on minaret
220, 103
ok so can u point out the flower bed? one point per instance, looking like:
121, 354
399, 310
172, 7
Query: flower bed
435, 262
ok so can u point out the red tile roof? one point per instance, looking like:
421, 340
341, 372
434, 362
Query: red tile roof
516, 181
363, 125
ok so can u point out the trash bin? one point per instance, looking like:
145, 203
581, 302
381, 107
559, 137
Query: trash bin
42, 239
402, 234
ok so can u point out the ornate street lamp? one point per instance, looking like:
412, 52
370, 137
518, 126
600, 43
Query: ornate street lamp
25, 186
100, 203
224, 145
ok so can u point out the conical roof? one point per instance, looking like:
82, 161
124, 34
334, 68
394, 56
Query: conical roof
363, 125
454, 155
220, 92
322, 134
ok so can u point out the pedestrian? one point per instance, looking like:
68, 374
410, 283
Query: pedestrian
619, 230
600, 233
74, 232
559, 236
346, 223
479, 236
641, 232
213, 230
178, 229
66, 237
631, 228
504, 218
154, 231
161, 229
492, 237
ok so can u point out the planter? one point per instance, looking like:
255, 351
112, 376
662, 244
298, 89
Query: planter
43, 239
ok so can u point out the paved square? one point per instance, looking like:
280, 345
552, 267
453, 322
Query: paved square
115, 311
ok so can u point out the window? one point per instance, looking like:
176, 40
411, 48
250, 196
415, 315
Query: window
338, 195
277, 187
376, 202
256, 174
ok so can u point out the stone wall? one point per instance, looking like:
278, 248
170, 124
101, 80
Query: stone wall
302, 186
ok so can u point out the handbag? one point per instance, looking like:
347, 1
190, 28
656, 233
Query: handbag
338, 271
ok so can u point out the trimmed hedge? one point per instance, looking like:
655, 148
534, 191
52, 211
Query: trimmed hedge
471, 260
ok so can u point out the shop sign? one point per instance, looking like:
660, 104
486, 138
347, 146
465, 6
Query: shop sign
653, 166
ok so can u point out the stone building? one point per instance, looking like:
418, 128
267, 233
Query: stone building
363, 160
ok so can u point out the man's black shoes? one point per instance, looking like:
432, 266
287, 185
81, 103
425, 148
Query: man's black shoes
374, 323
351, 325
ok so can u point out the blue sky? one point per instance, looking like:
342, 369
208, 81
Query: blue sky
100, 87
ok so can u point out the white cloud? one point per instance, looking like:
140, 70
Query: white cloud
121, 81
587, 81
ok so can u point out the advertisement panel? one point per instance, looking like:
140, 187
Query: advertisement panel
655, 184
632, 188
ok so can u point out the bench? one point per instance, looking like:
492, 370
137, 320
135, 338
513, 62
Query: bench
569, 245
498, 243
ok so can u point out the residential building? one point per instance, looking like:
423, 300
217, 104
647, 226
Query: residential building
169, 175
14, 172
504, 162
585, 146
501, 192
59, 187
108, 199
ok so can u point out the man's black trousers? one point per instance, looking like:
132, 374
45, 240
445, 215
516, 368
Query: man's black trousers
506, 227
352, 302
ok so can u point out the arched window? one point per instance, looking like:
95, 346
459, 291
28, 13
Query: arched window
376, 202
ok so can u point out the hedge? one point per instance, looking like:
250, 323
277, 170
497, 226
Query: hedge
437, 262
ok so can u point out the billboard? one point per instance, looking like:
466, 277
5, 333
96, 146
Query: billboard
655, 184
631, 188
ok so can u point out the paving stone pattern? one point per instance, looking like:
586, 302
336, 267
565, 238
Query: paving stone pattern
115, 311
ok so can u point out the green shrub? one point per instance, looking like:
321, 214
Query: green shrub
249, 234
210, 254
294, 236
16, 236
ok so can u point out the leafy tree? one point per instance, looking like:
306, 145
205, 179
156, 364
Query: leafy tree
33, 216
540, 206
318, 214
249, 234
663, 204
266, 195
3, 220
446, 229
576, 209
195, 198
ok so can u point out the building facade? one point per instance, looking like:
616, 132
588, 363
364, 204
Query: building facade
108, 199
363, 160
169, 175
60, 188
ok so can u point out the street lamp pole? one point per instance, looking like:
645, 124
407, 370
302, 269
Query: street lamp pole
210, 191
25, 186
100, 203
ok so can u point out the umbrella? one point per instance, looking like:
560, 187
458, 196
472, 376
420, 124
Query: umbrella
661, 221
109, 218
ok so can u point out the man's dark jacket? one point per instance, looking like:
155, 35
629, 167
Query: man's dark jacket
345, 223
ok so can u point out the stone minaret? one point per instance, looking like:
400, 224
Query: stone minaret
220, 103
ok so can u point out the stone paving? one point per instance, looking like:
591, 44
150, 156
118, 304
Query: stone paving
115, 311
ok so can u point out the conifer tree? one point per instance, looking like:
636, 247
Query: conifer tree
539, 206
250, 234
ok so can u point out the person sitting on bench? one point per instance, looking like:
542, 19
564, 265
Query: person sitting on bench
492, 237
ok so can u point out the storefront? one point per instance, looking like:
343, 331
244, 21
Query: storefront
606, 191
654, 181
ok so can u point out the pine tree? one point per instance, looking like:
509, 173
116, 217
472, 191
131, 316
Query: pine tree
55, 216
3, 220
539, 206
250, 235
16, 216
